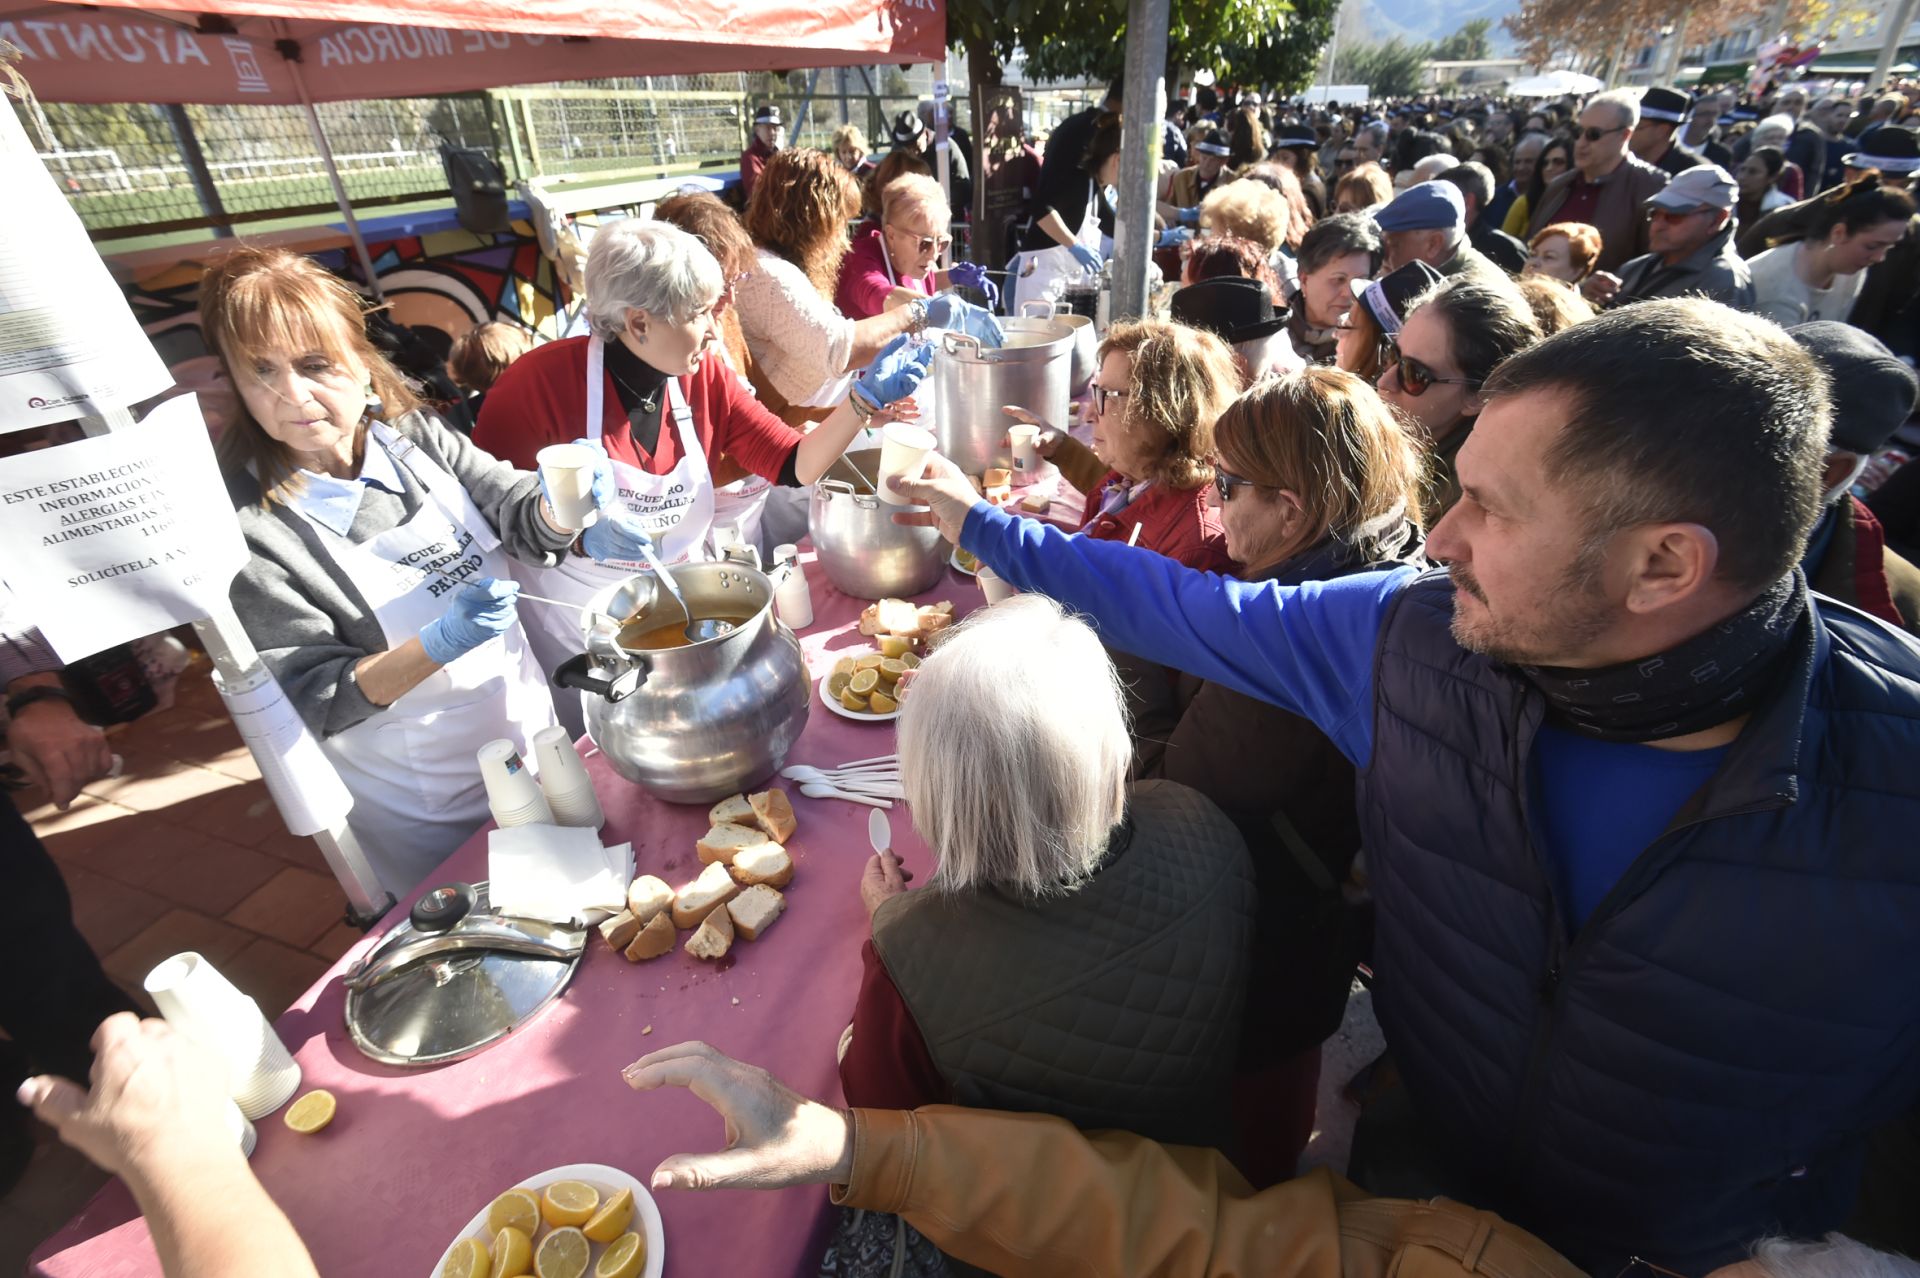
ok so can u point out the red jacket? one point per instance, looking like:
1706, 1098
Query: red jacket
542, 399
1180, 525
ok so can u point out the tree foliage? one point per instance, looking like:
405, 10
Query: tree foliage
1471, 43
1065, 39
1390, 70
1595, 30
1286, 55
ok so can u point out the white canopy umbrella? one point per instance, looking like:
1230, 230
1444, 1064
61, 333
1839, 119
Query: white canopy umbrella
1553, 84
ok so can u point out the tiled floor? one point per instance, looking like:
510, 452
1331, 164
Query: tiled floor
183, 851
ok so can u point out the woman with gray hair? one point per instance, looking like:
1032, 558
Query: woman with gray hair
652, 390
1082, 947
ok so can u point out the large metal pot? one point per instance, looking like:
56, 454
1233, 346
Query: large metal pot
972, 383
864, 552
1086, 342
696, 723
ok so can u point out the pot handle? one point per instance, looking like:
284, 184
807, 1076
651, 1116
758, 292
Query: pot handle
1049, 309
582, 673
953, 343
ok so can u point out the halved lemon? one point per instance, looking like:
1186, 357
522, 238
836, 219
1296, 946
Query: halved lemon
881, 703
895, 645
863, 682
891, 669
311, 1112
568, 1202
611, 1220
911, 661
843, 666
512, 1253
853, 702
837, 683
516, 1209
468, 1259
867, 661
564, 1253
623, 1259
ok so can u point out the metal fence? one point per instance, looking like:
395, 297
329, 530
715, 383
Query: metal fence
136, 170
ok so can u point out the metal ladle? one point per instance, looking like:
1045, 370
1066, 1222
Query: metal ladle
696, 631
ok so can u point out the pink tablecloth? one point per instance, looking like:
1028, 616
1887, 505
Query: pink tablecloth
414, 1153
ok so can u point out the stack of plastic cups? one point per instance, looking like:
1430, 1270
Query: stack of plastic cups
512, 793
564, 780
203, 1005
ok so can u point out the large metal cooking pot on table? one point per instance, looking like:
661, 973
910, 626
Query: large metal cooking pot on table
1086, 341
691, 722
865, 554
972, 383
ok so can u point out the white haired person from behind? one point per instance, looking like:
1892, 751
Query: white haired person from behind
1081, 948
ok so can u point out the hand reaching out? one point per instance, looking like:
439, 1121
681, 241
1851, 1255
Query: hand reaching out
883, 879
775, 1136
1045, 442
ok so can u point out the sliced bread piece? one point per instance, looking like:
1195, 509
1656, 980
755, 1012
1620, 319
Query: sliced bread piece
773, 811
621, 929
714, 938
769, 864
897, 616
648, 896
754, 911
732, 811
653, 940
704, 895
723, 842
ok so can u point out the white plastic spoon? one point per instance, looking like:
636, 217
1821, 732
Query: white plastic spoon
829, 792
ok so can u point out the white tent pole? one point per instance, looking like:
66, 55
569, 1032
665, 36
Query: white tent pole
333, 174
942, 146
1140, 134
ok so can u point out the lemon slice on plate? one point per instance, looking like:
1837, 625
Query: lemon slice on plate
468, 1259
611, 1220
516, 1209
569, 1202
564, 1253
623, 1259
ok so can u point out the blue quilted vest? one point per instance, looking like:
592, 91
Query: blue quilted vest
1698, 1064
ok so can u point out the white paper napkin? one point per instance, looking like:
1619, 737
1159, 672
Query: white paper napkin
556, 872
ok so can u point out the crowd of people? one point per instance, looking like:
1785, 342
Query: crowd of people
1477, 592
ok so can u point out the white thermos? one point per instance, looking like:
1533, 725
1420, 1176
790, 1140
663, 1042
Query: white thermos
792, 597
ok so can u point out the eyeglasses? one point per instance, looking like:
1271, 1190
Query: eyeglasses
1103, 398
1677, 215
1638, 1265
926, 243
1225, 482
1414, 377
1594, 135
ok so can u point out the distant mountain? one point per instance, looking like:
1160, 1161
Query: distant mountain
1376, 21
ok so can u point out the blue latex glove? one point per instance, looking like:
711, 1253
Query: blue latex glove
1174, 237
974, 275
1085, 256
1190, 217
896, 371
478, 611
950, 311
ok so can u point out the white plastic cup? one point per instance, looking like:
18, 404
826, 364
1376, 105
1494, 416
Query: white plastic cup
568, 472
194, 998
512, 793
1026, 451
903, 451
564, 780
994, 585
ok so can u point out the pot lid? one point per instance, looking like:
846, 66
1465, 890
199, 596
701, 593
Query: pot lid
456, 978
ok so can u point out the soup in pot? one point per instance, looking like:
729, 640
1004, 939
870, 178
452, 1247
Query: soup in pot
651, 634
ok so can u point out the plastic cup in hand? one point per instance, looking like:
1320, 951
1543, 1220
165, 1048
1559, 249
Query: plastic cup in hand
564, 780
994, 585
568, 472
1026, 451
204, 1006
512, 793
903, 451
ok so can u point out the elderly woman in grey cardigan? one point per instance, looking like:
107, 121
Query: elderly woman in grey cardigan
377, 593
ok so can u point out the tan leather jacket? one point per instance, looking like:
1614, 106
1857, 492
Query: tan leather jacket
1112, 1204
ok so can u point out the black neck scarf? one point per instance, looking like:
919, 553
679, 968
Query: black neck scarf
1720, 674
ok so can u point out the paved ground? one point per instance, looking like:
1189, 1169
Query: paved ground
184, 851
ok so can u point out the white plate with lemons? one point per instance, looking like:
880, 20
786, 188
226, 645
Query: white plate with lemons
560, 1238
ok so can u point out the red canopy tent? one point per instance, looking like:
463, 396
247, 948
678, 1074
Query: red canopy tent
240, 51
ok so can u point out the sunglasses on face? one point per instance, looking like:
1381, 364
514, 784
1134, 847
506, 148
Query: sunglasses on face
927, 243
1594, 135
1414, 377
1226, 482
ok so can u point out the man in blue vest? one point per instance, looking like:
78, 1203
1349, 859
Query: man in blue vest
1639, 810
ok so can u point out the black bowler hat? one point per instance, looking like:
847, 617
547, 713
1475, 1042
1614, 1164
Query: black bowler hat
1670, 105
1873, 392
1295, 135
1888, 149
1234, 307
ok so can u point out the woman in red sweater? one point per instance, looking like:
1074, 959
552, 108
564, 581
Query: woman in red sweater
652, 389
1159, 389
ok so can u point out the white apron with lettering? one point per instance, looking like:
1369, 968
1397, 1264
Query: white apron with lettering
417, 793
676, 508
1034, 272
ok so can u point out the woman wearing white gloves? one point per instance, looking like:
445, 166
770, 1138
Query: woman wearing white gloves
652, 390
378, 591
